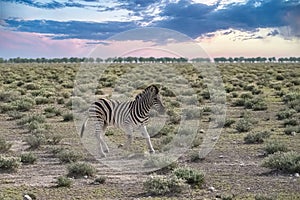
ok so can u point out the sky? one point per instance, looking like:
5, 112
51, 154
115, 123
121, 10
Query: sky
53, 28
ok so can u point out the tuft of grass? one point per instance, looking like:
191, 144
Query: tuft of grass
100, 180
164, 163
28, 158
35, 141
68, 117
31, 118
288, 162
4, 145
285, 114
63, 181
256, 138
191, 176
243, 125
290, 130
275, 146
80, 169
68, 156
160, 185
264, 197
9, 163
229, 122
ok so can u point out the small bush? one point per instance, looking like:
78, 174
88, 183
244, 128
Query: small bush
67, 156
81, 169
191, 113
256, 138
229, 122
275, 146
159, 185
288, 162
243, 125
4, 145
23, 105
9, 163
63, 181
41, 100
264, 197
289, 130
35, 141
28, 158
31, 118
100, 180
13, 114
285, 114
52, 110
54, 139
290, 122
68, 117
191, 176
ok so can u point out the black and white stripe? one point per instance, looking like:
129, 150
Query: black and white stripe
124, 115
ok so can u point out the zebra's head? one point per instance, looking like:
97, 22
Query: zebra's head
156, 99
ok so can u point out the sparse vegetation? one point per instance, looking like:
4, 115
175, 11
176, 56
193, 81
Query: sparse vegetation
67, 156
191, 176
63, 181
256, 138
288, 162
4, 145
9, 163
275, 146
28, 158
80, 169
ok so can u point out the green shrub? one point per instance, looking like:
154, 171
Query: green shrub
191, 113
191, 176
52, 111
100, 180
4, 145
28, 158
9, 163
256, 138
288, 162
6, 107
41, 100
159, 185
229, 122
35, 141
275, 146
67, 156
13, 114
264, 197
243, 125
78, 170
31, 118
285, 114
31, 86
23, 105
54, 139
63, 181
291, 122
68, 117
289, 130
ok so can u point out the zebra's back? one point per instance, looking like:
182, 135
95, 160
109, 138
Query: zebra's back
110, 112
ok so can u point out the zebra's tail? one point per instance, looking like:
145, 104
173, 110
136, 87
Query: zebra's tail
83, 126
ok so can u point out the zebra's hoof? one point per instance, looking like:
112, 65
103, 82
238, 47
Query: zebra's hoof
152, 151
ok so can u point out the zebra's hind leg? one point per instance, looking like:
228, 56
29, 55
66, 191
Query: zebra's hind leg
99, 133
128, 131
145, 134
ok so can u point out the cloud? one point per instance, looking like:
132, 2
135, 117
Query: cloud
195, 19
70, 29
47, 5
31, 45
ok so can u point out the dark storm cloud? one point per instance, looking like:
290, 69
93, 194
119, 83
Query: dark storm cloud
196, 19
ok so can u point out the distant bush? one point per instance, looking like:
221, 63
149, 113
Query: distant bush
13, 114
4, 145
100, 180
68, 117
256, 138
191, 176
283, 161
289, 130
243, 125
24, 104
159, 185
285, 114
275, 146
28, 158
291, 122
264, 197
30, 118
41, 100
9, 163
63, 181
67, 156
35, 141
229, 122
78, 170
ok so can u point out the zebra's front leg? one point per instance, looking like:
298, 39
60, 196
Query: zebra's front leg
101, 145
128, 132
145, 134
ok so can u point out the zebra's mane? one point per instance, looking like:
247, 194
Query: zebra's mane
146, 90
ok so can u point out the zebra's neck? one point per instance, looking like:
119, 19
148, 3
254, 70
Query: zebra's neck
142, 106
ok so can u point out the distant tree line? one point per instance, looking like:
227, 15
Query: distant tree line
150, 60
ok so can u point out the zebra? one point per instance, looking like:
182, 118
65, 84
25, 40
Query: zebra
124, 115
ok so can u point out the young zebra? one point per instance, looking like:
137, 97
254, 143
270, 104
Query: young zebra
126, 116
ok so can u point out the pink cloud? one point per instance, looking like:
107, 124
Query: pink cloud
23, 44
